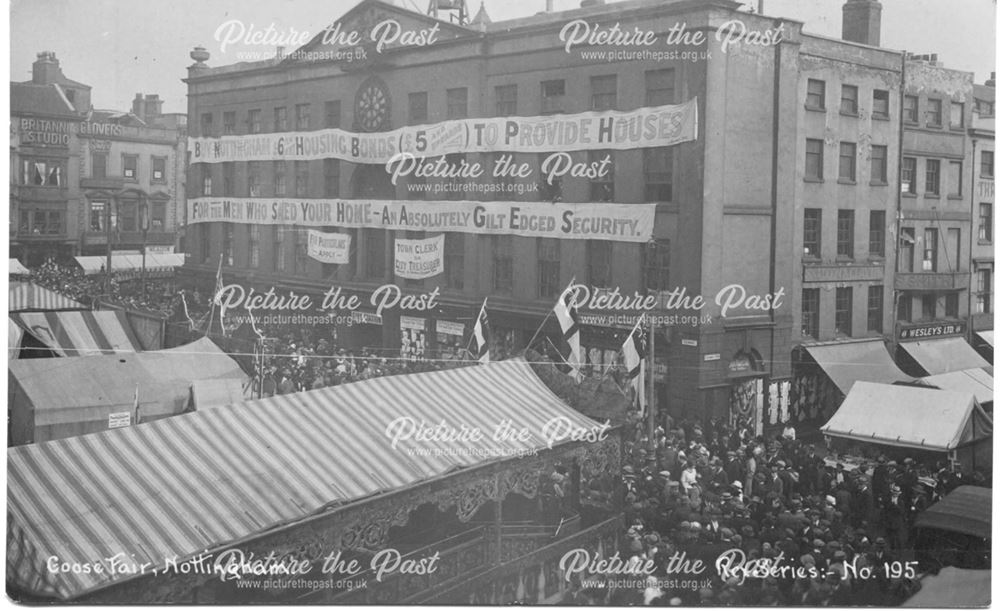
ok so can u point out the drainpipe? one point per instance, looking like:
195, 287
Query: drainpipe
973, 235
772, 259
899, 200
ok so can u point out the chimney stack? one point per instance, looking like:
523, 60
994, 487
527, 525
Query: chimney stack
992, 81
863, 22
45, 70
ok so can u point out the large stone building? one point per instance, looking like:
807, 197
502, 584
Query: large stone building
81, 175
982, 133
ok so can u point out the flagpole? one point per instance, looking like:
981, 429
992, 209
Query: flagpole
472, 335
544, 320
651, 406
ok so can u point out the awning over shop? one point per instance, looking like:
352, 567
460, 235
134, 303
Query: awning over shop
30, 296
58, 398
178, 486
207, 394
848, 362
986, 336
975, 381
158, 263
80, 333
953, 588
944, 355
15, 268
966, 509
909, 417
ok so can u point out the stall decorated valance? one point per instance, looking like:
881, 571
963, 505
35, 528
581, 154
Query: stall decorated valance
612, 129
30, 296
80, 333
591, 221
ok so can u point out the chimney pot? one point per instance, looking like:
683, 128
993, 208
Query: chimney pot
863, 22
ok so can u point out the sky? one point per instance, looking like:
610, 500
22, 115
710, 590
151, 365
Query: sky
124, 47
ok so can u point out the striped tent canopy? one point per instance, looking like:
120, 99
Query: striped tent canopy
80, 333
202, 480
16, 268
30, 296
131, 264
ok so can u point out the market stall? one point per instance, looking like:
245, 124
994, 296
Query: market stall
79, 333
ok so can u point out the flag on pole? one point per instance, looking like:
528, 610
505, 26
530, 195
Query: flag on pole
634, 351
187, 313
216, 299
135, 404
481, 336
569, 322
253, 324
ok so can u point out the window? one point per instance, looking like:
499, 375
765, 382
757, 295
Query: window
953, 249
129, 213
280, 119
812, 231
503, 263
602, 188
301, 248
331, 177
553, 96
932, 175
843, 310
457, 103
848, 159
875, 293
42, 222
904, 312
206, 179
254, 240
418, 107
955, 179
227, 243
845, 233
986, 223
911, 109
934, 113
659, 87
506, 100
454, 260
986, 164
43, 172
814, 159
599, 262
909, 175
159, 217
254, 178
280, 185
930, 250
229, 122
254, 120
984, 281
375, 253
957, 115
302, 119
159, 165
880, 155
98, 165
332, 113
98, 210
985, 108
656, 265
928, 306
228, 179
951, 305
907, 242
880, 104
206, 125
603, 92
658, 173
301, 178
205, 243
279, 248
548, 267
130, 167
848, 99
810, 313
816, 94
876, 233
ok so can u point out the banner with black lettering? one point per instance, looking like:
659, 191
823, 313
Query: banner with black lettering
419, 259
329, 247
612, 129
590, 221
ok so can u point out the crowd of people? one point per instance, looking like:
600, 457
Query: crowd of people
158, 296
801, 524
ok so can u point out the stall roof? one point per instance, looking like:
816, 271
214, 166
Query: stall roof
975, 381
953, 588
207, 394
986, 336
30, 296
80, 333
199, 481
967, 510
944, 355
909, 416
848, 362
155, 262
14, 267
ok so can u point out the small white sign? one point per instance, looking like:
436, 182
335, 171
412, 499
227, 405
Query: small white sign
689, 342
715, 356
119, 420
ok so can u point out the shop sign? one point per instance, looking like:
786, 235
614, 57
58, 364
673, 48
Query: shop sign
932, 330
715, 356
43, 132
450, 328
365, 318
119, 420
689, 342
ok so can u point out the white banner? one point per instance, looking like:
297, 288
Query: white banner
419, 259
329, 247
591, 221
641, 128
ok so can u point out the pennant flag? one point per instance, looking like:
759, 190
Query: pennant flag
634, 352
187, 314
568, 320
481, 336
216, 302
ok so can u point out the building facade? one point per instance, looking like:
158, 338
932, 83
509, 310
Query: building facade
82, 177
982, 134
